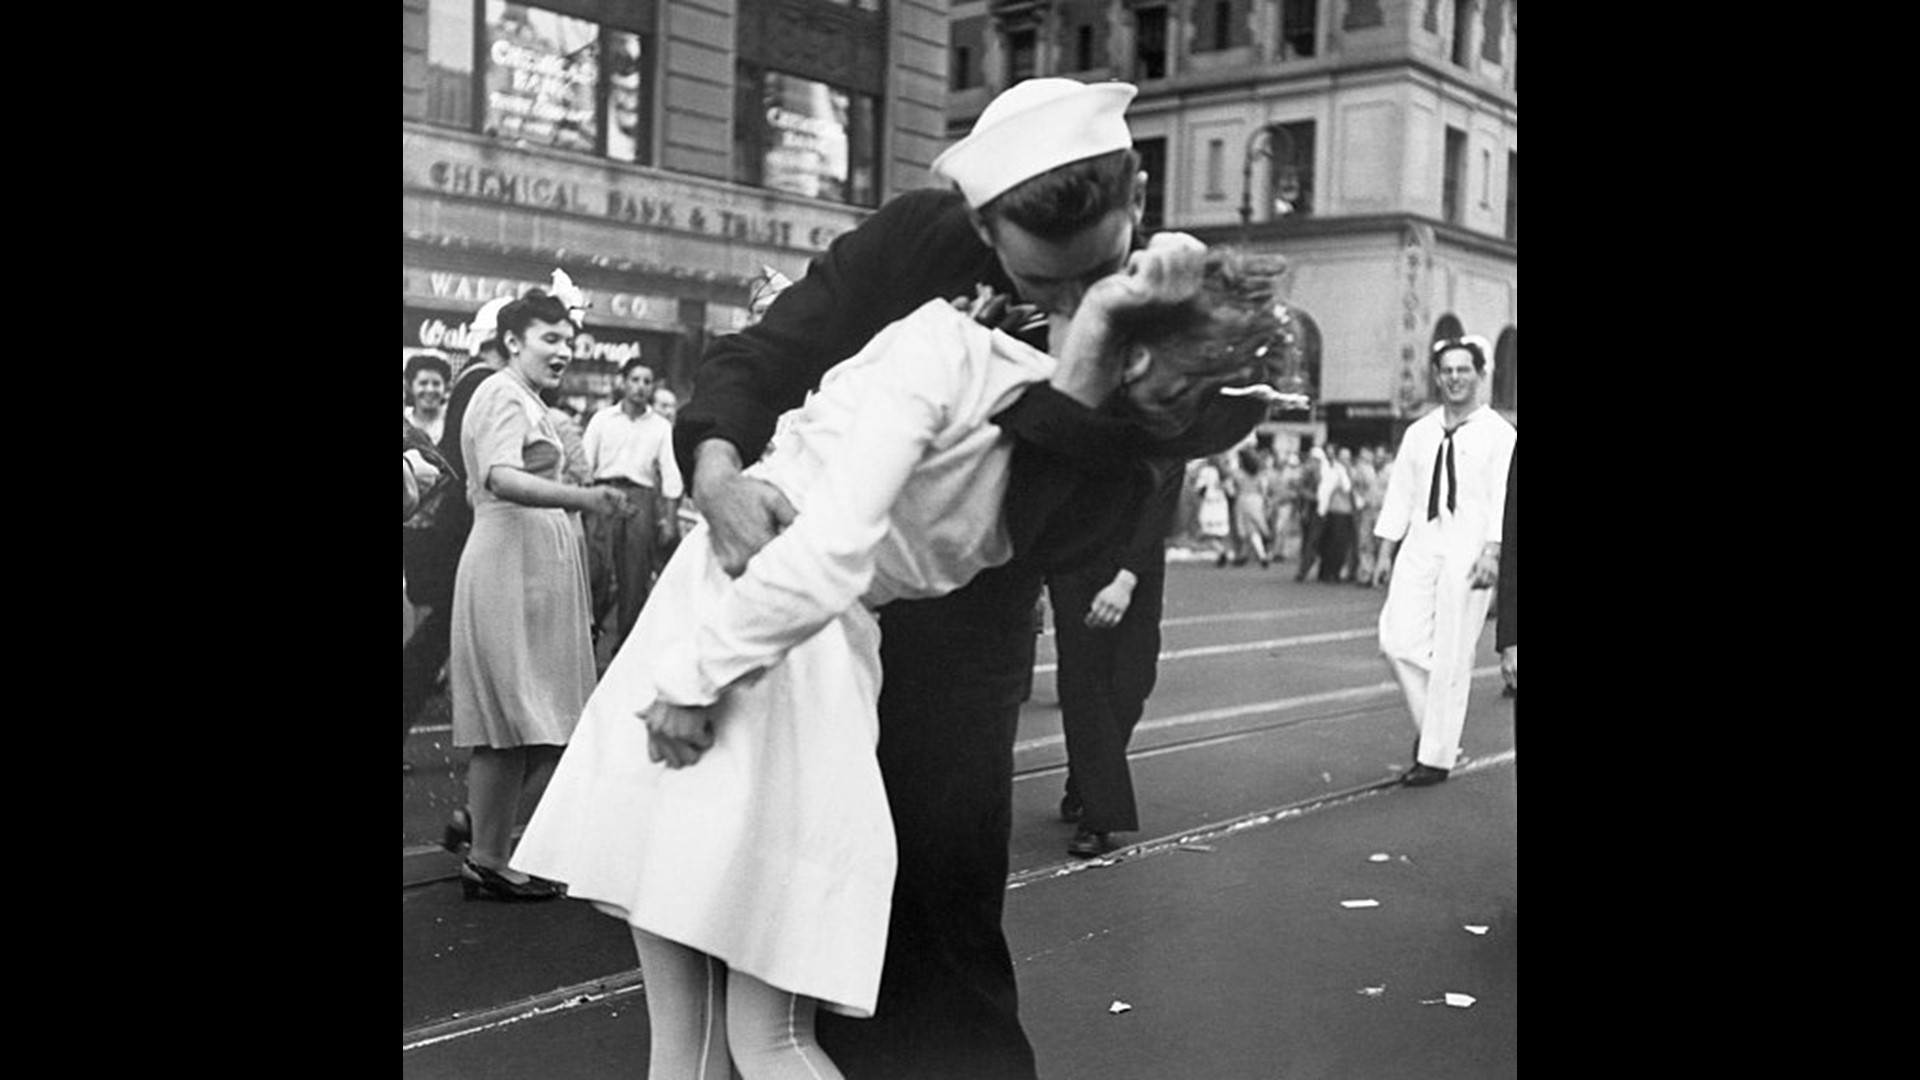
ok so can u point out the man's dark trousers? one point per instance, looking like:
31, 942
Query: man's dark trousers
621, 547
948, 1005
1105, 677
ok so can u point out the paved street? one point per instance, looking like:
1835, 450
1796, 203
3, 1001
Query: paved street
1263, 769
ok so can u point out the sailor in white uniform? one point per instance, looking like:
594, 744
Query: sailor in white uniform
1440, 551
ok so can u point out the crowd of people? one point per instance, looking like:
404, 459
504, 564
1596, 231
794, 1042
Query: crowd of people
1260, 505
981, 393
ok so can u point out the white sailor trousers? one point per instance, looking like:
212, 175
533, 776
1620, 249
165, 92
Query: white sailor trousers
1429, 630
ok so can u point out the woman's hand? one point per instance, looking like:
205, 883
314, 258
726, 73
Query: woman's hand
605, 499
676, 735
1110, 604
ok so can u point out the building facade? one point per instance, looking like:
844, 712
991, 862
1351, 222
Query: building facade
664, 153
1374, 143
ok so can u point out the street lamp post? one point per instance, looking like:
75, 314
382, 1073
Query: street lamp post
1264, 136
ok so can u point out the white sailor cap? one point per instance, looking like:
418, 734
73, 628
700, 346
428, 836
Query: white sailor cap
1035, 126
486, 321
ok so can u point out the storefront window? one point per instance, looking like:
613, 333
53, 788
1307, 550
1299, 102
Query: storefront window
543, 72
544, 79
806, 137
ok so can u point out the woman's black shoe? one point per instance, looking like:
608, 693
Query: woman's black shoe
1087, 844
1423, 776
459, 832
479, 883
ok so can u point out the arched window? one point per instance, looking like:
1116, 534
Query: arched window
1506, 376
1302, 363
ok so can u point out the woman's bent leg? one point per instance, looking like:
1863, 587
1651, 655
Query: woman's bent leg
771, 1033
686, 1010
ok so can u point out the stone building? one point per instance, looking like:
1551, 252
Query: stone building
662, 152
1373, 142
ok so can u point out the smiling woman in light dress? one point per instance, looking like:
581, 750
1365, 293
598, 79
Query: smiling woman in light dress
722, 793
521, 666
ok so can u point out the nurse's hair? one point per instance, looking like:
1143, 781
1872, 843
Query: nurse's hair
1234, 331
536, 305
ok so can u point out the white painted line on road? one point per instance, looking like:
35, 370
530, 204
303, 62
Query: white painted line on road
1177, 654
1248, 646
1232, 712
1241, 616
1208, 833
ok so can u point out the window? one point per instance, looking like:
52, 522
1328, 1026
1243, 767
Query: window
806, 137
1216, 168
1021, 50
1513, 195
542, 78
1083, 48
1299, 28
969, 37
1290, 153
1486, 179
1454, 178
1150, 43
450, 63
1506, 371
1153, 162
1219, 24
1462, 31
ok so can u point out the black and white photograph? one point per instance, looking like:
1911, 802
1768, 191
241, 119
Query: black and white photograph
960, 539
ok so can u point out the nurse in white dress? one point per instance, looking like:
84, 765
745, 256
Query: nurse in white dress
774, 854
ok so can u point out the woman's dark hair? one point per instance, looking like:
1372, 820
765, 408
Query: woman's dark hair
537, 304
424, 362
1230, 329
1062, 201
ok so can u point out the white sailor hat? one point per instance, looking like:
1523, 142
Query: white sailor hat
1035, 126
486, 321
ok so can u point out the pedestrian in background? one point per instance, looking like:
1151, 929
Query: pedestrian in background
665, 403
1216, 525
1307, 503
1366, 511
427, 377
630, 447
1107, 633
1285, 522
1440, 551
1249, 509
1336, 515
522, 663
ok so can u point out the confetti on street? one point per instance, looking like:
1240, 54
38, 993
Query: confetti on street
1119, 1007
1475, 929
1372, 991
1458, 1001
1379, 856
1359, 903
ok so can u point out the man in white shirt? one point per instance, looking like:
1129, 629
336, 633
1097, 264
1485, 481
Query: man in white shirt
630, 446
1439, 531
